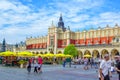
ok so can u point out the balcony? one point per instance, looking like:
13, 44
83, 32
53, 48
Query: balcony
96, 45
36, 48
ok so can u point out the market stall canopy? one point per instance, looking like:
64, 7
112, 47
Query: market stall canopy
25, 54
48, 55
39, 55
68, 56
87, 55
7, 53
60, 55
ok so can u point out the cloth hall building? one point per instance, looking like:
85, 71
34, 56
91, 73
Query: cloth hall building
95, 42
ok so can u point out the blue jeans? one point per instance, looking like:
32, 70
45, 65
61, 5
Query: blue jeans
64, 62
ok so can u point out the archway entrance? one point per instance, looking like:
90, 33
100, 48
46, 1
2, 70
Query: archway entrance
80, 54
45, 52
59, 52
52, 52
41, 52
114, 52
87, 52
95, 54
37, 52
104, 51
33, 52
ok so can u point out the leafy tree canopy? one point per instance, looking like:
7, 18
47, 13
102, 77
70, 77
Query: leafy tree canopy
71, 50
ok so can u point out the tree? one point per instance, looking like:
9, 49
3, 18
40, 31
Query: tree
71, 50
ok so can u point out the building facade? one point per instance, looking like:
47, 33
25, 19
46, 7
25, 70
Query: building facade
18, 47
95, 42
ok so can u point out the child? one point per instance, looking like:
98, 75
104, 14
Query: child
35, 67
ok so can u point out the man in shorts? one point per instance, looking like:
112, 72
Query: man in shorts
104, 70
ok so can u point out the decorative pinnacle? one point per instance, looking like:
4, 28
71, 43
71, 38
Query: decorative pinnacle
60, 14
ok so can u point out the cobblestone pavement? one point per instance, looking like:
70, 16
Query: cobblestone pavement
51, 72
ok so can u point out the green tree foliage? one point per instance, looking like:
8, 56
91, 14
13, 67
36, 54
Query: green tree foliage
71, 50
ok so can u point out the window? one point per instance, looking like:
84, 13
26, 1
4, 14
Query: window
117, 40
52, 42
64, 42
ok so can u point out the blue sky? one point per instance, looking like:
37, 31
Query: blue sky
25, 18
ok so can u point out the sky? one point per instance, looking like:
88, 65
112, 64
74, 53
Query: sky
21, 19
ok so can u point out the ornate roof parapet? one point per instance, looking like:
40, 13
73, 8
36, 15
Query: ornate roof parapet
99, 28
52, 24
84, 30
116, 25
68, 27
107, 26
91, 29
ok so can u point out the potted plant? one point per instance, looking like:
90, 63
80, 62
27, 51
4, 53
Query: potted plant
21, 62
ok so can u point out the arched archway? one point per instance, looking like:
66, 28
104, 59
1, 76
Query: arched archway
114, 52
41, 52
95, 54
45, 52
37, 52
87, 52
59, 52
104, 51
52, 52
80, 54
33, 52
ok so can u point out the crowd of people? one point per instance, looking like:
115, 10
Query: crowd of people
105, 67
88, 62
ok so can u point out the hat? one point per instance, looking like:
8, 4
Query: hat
117, 55
106, 55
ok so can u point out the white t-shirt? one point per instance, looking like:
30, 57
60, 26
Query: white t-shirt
112, 69
105, 66
36, 65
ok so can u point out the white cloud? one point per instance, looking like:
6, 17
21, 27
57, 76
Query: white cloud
22, 21
103, 19
12, 5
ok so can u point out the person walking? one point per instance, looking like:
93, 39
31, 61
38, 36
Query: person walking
35, 66
64, 62
68, 60
104, 69
40, 64
29, 66
117, 66
85, 64
91, 62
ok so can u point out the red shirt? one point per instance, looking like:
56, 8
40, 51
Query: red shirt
39, 60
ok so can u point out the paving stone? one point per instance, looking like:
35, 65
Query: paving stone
50, 72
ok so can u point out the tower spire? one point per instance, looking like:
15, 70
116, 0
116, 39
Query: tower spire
60, 19
60, 14
4, 45
52, 23
61, 23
